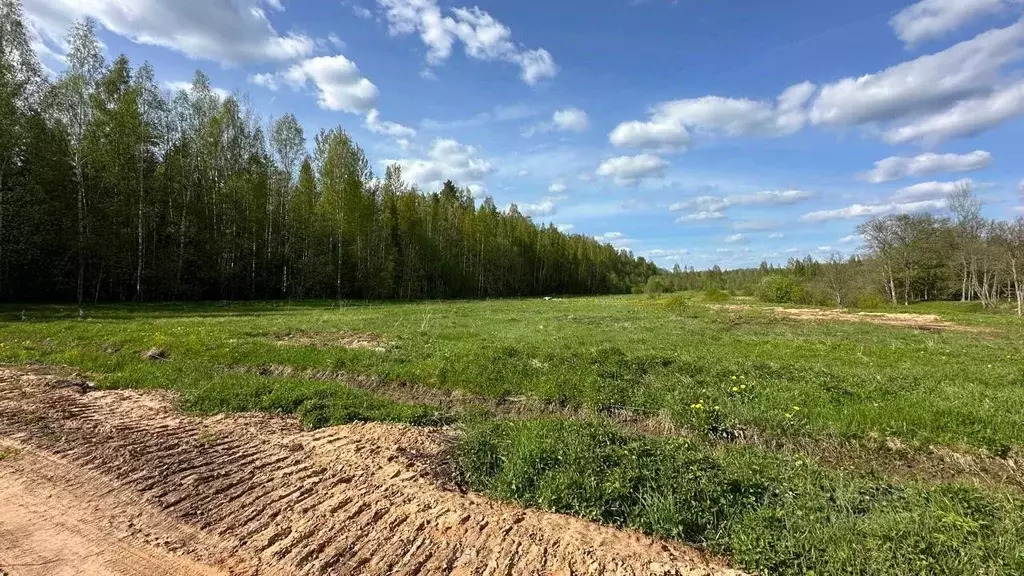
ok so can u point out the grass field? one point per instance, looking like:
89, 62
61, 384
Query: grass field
790, 446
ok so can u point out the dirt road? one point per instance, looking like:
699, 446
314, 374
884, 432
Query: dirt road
121, 483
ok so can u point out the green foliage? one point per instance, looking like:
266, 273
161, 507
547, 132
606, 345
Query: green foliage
590, 470
768, 514
110, 192
677, 302
715, 295
778, 289
871, 302
659, 285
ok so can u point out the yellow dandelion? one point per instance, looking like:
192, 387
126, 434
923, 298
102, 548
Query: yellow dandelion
743, 387
735, 389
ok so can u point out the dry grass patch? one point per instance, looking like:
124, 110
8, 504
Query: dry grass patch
350, 340
925, 322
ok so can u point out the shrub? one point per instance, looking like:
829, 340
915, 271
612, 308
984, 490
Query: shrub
777, 289
871, 302
715, 295
676, 302
659, 285
813, 295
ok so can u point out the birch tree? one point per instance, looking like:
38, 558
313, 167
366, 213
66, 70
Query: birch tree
837, 275
1013, 239
288, 142
74, 110
968, 224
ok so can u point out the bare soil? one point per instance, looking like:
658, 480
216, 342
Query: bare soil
120, 482
926, 322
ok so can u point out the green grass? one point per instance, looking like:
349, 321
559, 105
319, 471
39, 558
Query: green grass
759, 400
850, 380
769, 514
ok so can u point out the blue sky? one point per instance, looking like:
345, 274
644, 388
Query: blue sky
687, 131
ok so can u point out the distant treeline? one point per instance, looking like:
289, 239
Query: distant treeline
904, 258
111, 190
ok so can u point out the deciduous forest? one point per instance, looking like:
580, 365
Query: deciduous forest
903, 258
113, 190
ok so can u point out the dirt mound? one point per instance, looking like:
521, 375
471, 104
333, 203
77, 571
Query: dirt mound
257, 494
926, 322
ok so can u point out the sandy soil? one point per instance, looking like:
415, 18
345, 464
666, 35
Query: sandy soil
119, 482
927, 322
50, 526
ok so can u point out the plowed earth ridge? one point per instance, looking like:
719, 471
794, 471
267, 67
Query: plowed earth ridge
137, 488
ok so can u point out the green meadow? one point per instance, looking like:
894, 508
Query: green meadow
786, 445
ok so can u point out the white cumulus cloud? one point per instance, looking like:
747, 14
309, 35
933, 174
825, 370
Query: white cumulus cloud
264, 79
672, 124
666, 254
546, 207
930, 19
446, 160
930, 83
482, 36
700, 217
736, 239
897, 167
228, 32
628, 170
616, 239
374, 124
339, 84
568, 120
967, 118
571, 120
557, 187
869, 210
719, 203
362, 12
928, 191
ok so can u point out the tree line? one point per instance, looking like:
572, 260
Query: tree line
905, 258
964, 256
112, 190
